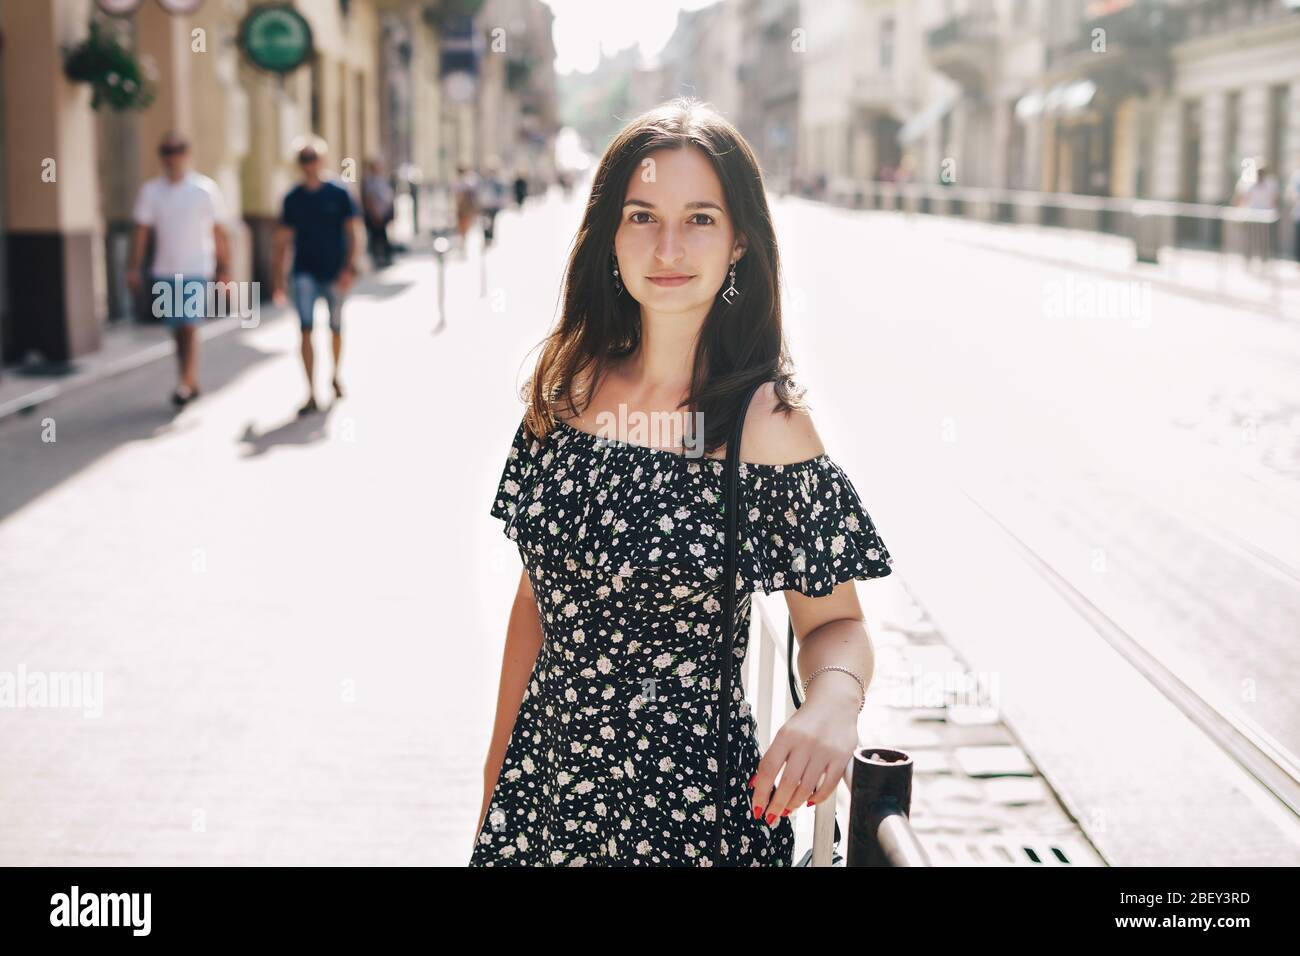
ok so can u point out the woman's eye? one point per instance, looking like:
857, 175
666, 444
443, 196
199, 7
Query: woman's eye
698, 215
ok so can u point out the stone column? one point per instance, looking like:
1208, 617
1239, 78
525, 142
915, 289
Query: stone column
54, 245
221, 139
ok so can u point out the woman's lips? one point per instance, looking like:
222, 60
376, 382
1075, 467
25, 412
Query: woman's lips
676, 280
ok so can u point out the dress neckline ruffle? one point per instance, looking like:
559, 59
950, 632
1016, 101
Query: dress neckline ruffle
715, 463
578, 501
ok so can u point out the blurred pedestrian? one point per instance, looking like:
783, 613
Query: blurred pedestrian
184, 210
319, 216
377, 202
464, 202
491, 198
521, 186
1257, 189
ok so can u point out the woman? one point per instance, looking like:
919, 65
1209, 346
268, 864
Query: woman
603, 749
464, 203
491, 199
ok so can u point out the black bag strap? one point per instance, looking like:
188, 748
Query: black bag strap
731, 472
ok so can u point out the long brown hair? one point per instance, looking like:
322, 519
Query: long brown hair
739, 344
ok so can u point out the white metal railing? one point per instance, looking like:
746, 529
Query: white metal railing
769, 642
844, 188
1152, 225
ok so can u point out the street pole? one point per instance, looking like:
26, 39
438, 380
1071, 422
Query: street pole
440, 247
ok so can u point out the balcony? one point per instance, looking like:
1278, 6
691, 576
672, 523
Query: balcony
1132, 31
965, 48
887, 93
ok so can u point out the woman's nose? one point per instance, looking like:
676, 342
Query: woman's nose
668, 249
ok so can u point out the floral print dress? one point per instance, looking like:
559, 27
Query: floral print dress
613, 757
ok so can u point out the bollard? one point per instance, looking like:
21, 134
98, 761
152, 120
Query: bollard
880, 833
1146, 233
440, 246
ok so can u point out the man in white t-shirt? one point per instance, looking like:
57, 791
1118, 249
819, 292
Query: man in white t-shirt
184, 210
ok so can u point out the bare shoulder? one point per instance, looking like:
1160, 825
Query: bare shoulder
775, 437
578, 388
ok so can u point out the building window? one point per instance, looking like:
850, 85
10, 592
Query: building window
1279, 109
1191, 152
887, 43
359, 91
1145, 143
345, 146
1231, 151
316, 94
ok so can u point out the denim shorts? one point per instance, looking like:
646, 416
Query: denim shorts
307, 288
183, 300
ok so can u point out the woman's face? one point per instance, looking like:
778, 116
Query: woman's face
675, 223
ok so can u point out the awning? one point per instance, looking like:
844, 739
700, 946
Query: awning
1063, 99
1029, 106
917, 126
1076, 96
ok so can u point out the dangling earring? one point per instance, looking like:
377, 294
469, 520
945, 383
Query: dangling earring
618, 283
730, 294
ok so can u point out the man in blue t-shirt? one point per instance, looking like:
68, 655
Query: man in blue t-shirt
319, 215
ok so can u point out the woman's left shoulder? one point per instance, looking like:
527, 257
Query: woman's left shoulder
778, 436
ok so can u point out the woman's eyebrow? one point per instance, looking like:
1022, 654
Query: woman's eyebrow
696, 204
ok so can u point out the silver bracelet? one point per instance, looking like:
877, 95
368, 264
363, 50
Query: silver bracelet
837, 667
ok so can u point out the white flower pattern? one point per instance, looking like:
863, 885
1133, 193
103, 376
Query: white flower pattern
612, 759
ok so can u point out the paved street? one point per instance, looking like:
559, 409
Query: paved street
299, 622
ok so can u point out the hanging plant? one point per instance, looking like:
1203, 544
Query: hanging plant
112, 70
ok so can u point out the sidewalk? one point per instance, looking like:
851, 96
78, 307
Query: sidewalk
128, 344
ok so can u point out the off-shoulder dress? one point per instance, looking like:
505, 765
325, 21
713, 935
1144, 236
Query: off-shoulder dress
612, 758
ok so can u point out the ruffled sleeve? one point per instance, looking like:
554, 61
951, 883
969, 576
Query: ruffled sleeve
805, 529
516, 477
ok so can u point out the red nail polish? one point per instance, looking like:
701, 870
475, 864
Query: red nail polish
771, 818
785, 813
758, 813
808, 804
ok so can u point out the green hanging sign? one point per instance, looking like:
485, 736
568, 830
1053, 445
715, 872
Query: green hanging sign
275, 37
